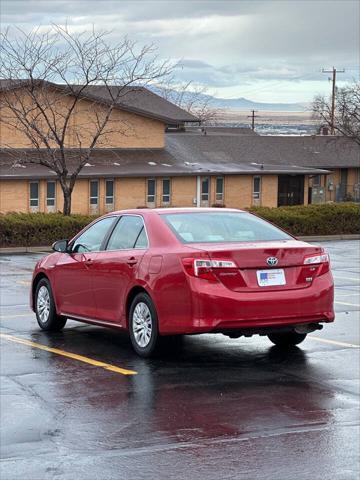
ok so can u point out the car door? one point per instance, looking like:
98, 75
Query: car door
73, 272
116, 267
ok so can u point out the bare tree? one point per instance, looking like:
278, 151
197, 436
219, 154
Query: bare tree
346, 114
46, 78
192, 98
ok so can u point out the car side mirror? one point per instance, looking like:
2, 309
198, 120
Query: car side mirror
60, 246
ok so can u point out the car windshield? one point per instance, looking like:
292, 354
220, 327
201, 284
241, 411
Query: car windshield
219, 227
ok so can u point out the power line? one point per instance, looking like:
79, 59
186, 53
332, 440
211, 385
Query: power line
334, 71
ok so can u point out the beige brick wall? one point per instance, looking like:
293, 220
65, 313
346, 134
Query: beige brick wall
80, 197
353, 178
124, 129
183, 191
306, 189
131, 193
269, 191
238, 191
334, 177
14, 196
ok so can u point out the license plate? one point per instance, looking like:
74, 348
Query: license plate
268, 278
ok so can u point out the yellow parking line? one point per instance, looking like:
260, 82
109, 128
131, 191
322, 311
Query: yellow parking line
350, 304
335, 342
74, 356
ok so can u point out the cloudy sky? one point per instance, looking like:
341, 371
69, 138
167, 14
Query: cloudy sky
264, 50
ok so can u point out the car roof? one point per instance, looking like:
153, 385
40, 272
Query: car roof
160, 211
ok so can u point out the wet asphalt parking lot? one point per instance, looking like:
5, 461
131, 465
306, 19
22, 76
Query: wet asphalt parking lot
210, 408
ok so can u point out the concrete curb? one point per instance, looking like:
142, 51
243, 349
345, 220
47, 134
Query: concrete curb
326, 238
47, 249
21, 250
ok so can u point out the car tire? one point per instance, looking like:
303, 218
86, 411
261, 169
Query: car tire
143, 325
45, 310
287, 339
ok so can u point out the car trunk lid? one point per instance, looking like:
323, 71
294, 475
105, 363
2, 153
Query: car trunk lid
270, 265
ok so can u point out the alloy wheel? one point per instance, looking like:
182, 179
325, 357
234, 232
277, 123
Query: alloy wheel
43, 304
142, 324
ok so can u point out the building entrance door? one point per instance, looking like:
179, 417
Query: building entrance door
290, 190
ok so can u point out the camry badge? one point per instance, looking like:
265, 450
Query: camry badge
272, 261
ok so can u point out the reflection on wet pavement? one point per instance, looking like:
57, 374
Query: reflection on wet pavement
207, 408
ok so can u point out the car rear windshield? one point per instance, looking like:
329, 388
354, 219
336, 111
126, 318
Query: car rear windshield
219, 227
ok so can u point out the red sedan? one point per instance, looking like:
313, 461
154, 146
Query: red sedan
164, 272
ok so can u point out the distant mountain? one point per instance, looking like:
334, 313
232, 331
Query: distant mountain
244, 104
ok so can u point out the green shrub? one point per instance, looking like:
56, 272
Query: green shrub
328, 219
41, 229
38, 229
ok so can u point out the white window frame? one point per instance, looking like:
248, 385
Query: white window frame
166, 194
37, 199
256, 193
314, 181
47, 194
108, 197
201, 189
219, 196
148, 199
97, 197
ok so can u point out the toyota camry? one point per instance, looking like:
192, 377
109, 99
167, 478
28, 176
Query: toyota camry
158, 273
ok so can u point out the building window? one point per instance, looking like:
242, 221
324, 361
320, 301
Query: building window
94, 192
50, 194
256, 187
151, 190
109, 192
34, 194
316, 181
219, 194
166, 190
205, 189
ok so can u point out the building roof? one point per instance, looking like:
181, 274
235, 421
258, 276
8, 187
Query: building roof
133, 99
193, 153
143, 163
302, 151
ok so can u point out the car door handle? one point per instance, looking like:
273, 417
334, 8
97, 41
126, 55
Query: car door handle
131, 261
88, 261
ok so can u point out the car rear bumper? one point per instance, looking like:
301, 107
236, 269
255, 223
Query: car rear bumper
216, 308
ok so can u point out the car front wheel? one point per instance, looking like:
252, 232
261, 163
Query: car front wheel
287, 339
143, 325
46, 315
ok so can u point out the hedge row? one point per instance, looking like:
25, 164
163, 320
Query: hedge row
328, 219
40, 229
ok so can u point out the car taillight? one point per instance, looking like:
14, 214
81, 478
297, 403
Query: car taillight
322, 260
204, 268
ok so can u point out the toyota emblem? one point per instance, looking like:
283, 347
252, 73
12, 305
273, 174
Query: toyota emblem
272, 261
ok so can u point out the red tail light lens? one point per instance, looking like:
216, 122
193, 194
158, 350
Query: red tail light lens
204, 268
322, 260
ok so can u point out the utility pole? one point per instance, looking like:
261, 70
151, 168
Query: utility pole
253, 116
333, 71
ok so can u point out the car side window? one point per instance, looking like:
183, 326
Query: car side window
128, 233
92, 238
142, 241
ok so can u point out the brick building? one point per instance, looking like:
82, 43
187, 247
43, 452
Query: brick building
155, 165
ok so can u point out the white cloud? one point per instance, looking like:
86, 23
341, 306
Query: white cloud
233, 46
